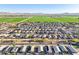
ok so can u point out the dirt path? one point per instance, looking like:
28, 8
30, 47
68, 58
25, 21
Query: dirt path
25, 19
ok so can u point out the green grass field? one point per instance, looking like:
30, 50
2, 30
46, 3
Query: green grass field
11, 20
48, 19
41, 19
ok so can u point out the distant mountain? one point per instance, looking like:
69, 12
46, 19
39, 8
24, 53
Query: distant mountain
71, 13
6, 13
9, 14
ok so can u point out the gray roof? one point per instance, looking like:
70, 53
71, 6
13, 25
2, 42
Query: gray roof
73, 50
63, 48
15, 49
56, 49
2, 47
24, 49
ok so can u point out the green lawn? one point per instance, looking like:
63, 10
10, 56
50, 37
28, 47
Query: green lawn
42, 19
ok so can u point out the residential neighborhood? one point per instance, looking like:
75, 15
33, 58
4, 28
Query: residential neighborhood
41, 30
39, 38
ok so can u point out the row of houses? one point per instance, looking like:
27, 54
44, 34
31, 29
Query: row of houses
38, 50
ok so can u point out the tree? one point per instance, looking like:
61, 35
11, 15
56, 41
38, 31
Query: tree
75, 40
30, 36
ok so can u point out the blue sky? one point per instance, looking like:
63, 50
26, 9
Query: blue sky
40, 8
